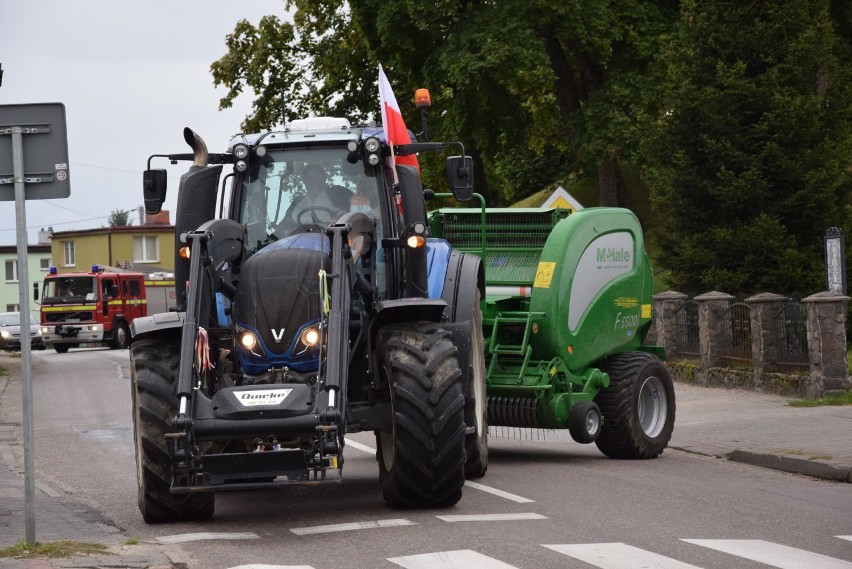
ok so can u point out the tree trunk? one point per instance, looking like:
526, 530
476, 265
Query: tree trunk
611, 188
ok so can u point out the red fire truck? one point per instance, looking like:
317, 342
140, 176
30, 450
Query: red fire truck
82, 309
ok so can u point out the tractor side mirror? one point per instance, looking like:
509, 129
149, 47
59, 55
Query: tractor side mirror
460, 177
154, 190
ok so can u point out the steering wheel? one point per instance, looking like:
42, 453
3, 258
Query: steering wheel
312, 210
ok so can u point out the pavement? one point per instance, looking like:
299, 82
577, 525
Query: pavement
730, 424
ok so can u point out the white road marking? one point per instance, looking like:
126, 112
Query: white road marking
461, 559
184, 537
359, 446
490, 517
496, 492
352, 526
772, 554
468, 483
618, 556
846, 537
262, 566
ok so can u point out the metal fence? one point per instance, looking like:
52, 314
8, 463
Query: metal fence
792, 334
686, 329
736, 333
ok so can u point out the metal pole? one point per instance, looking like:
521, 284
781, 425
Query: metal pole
26, 346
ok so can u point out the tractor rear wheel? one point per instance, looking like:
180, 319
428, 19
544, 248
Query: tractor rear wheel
476, 402
638, 407
421, 463
153, 375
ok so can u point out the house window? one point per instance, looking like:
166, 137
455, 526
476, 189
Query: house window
145, 249
44, 263
11, 271
70, 256
13, 308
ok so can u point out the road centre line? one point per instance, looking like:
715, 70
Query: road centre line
490, 517
846, 537
468, 483
185, 537
351, 526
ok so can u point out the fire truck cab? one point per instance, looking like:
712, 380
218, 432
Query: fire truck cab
90, 308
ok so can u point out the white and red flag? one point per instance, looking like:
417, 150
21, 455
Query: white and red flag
395, 130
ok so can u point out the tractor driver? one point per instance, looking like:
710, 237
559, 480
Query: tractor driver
321, 204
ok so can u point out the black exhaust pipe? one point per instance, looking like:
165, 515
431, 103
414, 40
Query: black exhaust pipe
196, 204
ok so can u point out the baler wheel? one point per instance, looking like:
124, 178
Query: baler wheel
584, 422
153, 376
421, 463
638, 407
476, 403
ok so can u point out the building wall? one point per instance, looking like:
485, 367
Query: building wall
114, 246
9, 290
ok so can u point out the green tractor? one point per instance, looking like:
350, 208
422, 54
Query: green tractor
567, 306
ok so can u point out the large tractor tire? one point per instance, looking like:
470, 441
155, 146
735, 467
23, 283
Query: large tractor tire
153, 376
421, 463
476, 401
638, 407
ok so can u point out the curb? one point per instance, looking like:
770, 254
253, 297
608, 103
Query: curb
815, 468
796, 465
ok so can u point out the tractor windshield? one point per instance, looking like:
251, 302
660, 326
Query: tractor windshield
291, 190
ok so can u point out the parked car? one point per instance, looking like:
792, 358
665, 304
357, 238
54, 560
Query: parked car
10, 332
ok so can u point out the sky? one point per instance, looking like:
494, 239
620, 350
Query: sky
131, 75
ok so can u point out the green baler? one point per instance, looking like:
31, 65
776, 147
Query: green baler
567, 306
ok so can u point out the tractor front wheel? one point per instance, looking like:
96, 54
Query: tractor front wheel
421, 463
153, 376
638, 407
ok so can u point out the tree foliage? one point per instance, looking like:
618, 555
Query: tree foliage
751, 164
515, 80
736, 113
119, 218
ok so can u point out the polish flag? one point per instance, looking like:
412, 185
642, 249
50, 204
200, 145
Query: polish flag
395, 130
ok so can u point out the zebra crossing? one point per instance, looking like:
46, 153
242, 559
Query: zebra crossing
620, 556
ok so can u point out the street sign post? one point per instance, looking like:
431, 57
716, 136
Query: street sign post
33, 165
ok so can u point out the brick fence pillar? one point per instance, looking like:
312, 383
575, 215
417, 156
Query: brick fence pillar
666, 305
826, 313
711, 323
764, 309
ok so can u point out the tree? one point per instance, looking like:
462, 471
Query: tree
119, 218
516, 80
752, 153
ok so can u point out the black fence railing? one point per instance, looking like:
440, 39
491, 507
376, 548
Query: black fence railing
687, 330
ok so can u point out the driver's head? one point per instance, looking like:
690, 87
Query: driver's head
314, 178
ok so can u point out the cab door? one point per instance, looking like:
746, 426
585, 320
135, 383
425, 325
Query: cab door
134, 299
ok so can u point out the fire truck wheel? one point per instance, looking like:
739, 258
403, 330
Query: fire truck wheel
421, 463
153, 377
120, 337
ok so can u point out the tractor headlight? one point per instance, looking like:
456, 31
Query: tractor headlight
249, 341
373, 148
241, 151
372, 144
310, 337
